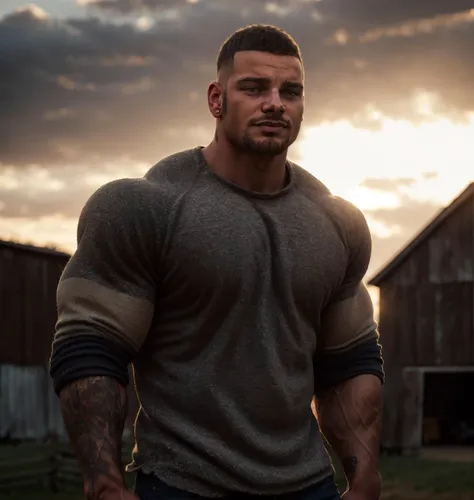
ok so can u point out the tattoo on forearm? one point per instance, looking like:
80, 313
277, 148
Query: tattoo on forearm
349, 416
94, 411
349, 465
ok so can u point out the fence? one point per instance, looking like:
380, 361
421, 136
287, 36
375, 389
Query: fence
47, 465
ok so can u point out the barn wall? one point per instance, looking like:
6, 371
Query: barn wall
427, 312
28, 282
30, 409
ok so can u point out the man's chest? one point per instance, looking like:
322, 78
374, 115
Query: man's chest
283, 247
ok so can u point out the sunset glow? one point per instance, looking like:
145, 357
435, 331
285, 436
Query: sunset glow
435, 158
102, 89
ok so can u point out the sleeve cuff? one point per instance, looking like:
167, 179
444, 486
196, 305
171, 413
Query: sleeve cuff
87, 356
332, 368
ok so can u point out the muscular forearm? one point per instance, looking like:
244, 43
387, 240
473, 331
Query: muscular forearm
349, 416
94, 411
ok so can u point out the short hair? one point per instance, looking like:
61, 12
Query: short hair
259, 37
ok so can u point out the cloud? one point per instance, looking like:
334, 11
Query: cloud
72, 89
128, 6
99, 89
383, 184
34, 192
282, 7
406, 218
105, 94
420, 26
54, 231
403, 223
406, 29
77, 90
360, 15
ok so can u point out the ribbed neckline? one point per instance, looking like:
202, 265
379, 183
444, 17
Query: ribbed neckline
248, 192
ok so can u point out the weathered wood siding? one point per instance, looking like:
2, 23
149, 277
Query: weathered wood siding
427, 312
28, 282
30, 409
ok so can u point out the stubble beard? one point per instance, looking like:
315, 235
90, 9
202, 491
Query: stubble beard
265, 147
268, 147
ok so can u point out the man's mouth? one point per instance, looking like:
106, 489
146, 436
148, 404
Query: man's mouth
272, 124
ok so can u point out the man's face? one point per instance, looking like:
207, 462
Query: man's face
263, 102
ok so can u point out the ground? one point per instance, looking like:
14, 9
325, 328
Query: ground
460, 454
435, 475
427, 478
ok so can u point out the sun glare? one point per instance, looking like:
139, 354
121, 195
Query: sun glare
435, 157
434, 160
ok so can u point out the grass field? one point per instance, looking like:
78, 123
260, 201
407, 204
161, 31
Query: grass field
404, 478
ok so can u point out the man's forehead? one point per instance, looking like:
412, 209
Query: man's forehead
266, 65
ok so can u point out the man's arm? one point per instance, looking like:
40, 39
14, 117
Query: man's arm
348, 389
350, 416
94, 411
105, 301
348, 369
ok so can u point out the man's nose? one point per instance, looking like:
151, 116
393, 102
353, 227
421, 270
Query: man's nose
273, 103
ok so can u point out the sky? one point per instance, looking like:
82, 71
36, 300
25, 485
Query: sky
94, 90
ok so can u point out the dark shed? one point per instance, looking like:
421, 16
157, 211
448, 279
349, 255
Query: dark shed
427, 331
29, 276
28, 279
29, 408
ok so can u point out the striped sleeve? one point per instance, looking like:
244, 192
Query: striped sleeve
348, 340
106, 294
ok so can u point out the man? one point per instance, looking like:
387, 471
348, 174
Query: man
231, 279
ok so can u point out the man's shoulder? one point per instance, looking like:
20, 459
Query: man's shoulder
347, 217
351, 222
345, 211
307, 183
176, 169
119, 205
130, 194
157, 189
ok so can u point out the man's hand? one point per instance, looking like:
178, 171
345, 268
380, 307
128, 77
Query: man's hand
364, 489
357, 495
120, 495
354, 495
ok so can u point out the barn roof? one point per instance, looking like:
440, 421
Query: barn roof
31, 248
422, 235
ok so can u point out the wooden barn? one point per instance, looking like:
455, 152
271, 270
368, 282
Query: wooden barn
28, 279
427, 331
29, 408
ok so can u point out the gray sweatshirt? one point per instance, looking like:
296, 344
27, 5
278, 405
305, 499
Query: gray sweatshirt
218, 296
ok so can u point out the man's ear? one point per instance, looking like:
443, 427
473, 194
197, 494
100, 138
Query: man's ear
214, 99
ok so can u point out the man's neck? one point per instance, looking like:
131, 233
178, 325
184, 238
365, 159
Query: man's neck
259, 173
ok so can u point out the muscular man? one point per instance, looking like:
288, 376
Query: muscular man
231, 279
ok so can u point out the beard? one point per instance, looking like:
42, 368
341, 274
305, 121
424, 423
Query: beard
270, 146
